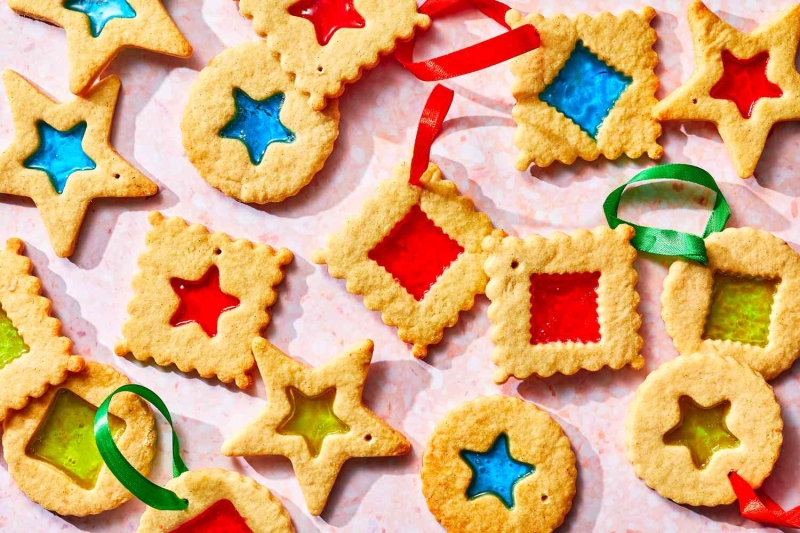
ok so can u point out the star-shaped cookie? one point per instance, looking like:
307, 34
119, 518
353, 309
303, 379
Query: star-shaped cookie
742, 82
61, 157
98, 30
316, 418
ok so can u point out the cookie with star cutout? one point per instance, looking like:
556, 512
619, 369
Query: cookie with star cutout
62, 159
200, 299
325, 44
316, 418
98, 30
249, 132
742, 82
33, 354
588, 90
498, 464
219, 501
697, 418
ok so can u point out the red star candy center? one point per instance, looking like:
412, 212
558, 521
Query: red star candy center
202, 301
744, 82
328, 16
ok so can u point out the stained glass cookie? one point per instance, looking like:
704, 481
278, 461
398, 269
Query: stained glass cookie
415, 255
745, 303
98, 29
498, 464
588, 90
249, 132
695, 419
563, 303
316, 417
33, 353
325, 44
50, 448
200, 299
742, 82
219, 501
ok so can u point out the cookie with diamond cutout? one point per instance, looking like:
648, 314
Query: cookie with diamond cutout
325, 44
50, 447
697, 418
743, 82
588, 90
98, 29
415, 255
316, 417
498, 464
200, 298
62, 159
249, 132
563, 303
219, 501
744, 304
33, 353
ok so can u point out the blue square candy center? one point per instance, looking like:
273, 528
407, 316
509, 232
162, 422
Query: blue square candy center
586, 89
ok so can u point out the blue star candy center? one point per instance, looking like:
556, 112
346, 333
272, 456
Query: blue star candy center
100, 12
60, 153
495, 472
257, 123
585, 89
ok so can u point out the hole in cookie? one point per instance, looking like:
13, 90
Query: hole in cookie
217, 251
514, 264
694, 100
367, 438
702, 430
312, 418
564, 308
740, 309
115, 176
320, 69
544, 497
65, 438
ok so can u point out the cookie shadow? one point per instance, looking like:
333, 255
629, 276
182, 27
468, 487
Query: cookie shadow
471, 325
287, 309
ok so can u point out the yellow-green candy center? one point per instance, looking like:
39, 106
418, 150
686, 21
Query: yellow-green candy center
312, 418
740, 309
702, 430
65, 439
11, 344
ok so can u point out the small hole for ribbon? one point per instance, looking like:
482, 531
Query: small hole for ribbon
544, 497
367, 438
320, 69
217, 251
116, 176
514, 264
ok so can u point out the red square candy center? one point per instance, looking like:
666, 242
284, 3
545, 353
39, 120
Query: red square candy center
564, 308
416, 252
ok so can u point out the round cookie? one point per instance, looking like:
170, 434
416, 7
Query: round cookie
697, 418
744, 304
219, 499
50, 450
498, 464
249, 132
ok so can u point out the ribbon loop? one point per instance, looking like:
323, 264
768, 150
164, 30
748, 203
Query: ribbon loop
666, 241
761, 509
473, 58
141, 487
430, 124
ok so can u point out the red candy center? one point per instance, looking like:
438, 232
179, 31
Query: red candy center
564, 308
328, 16
744, 82
202, 301
222, 517
416, 252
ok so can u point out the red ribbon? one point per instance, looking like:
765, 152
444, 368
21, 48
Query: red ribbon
430, 124
762, 509
473, 58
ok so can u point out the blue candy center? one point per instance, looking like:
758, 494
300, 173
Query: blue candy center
60, 153
257, 123
100, 12
586, 89
495, 472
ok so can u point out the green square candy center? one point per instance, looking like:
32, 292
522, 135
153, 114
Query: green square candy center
740, 309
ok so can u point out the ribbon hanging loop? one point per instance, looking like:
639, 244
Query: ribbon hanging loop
761, 509
430, 125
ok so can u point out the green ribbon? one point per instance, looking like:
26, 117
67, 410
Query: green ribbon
666, 241
141, 487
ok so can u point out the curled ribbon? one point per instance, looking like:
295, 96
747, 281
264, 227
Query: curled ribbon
473, 58
666, 241
141, 487
761, 509
430, 124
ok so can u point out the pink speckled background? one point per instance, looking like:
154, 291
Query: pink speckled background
315, 316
